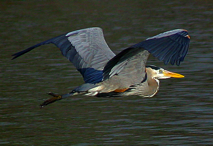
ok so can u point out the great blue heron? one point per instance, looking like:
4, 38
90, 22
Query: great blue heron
107, 74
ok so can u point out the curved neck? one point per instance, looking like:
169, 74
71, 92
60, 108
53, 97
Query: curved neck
153, 84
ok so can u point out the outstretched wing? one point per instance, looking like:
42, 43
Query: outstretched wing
85, 48
171, 46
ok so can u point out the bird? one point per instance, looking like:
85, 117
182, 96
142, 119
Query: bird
109, 75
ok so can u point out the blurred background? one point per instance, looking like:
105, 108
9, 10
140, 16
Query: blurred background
180, 114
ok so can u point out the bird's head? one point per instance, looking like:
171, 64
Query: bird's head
160, 73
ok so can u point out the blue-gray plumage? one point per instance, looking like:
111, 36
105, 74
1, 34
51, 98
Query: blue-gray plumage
108, 74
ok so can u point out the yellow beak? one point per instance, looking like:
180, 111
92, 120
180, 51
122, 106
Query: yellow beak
172, 74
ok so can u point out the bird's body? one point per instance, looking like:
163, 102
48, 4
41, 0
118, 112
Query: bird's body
123, 74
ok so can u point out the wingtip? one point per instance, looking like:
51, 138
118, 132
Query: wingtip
16, 55
13, 56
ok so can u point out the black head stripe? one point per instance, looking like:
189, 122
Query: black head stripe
153, 67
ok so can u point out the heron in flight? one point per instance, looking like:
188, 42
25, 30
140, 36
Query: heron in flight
124, 74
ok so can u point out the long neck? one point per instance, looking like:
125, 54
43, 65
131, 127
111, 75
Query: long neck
153, 84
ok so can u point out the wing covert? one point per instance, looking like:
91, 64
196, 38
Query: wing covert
90, 46
128, 67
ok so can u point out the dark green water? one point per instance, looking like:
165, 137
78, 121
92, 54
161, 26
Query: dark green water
180, 114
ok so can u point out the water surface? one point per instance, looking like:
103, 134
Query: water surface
180, 114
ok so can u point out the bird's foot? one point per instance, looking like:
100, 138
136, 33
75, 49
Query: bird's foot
51, 100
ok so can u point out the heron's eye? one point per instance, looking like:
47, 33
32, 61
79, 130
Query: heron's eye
160, 71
